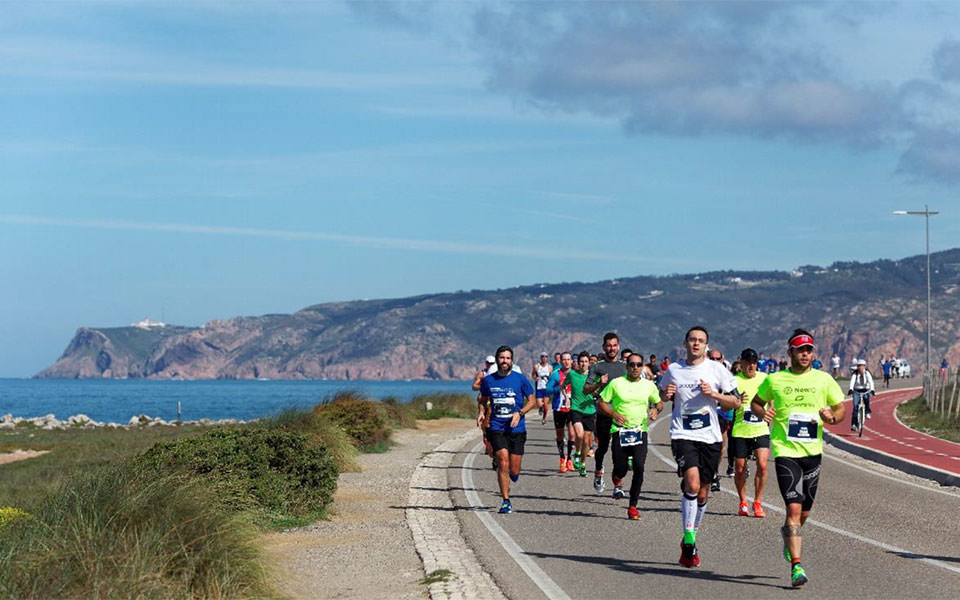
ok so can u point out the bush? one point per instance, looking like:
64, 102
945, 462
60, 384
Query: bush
273, 470
321, 431
363, 420
460, 406
120, 532
399, 415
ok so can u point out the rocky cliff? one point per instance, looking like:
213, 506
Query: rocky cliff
855, 309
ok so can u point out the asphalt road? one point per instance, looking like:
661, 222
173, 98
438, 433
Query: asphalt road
874, 533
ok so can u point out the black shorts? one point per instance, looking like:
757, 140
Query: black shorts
511, 441
703, 455
798, 479
744, 446
561, 418
589, 422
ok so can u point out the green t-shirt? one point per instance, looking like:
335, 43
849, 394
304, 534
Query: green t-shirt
745, 423
632, 399
798, 399
578, 400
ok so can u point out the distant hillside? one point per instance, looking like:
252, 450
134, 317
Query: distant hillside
855, 309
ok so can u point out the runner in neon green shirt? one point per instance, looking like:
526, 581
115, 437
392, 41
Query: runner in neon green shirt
750, 434
796, 401
630, 401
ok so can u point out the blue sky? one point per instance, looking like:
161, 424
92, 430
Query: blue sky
205, 160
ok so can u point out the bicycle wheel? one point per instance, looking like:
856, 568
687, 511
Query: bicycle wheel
861, 416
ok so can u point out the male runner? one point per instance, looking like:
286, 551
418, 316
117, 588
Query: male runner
749, 435
795, 402
629, 401
599, 376
696, 386
507, 397
490, 365
541, 374
583, 413
558, 390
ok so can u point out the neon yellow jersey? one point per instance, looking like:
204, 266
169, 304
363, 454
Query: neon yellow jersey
745, 423
796, 429
632, 399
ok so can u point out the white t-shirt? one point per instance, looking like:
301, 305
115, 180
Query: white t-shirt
695, 415
493, 369
543, 375
835, 362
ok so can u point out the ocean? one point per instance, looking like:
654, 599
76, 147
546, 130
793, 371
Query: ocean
118, 400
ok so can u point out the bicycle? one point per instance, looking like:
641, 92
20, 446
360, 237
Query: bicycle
860, 410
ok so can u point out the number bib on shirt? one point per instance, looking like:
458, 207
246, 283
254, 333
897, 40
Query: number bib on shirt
750, 417
696, 421
802, 428
630, 437
504, 407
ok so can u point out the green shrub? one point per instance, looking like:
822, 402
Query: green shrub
399, 415
321, 431
363, 420
276, 471
120, 532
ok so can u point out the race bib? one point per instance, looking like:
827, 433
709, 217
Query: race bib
750, 417
630, 437
802, 428
504, 408
696, 421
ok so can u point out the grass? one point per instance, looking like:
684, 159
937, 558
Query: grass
915, 414
440, 575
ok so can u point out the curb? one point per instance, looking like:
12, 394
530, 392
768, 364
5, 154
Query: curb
436, 532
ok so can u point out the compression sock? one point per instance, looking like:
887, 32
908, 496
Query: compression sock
701, 509
560, 447
570, 445
688, 512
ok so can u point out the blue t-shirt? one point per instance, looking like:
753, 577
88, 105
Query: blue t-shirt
507, 395
886, 367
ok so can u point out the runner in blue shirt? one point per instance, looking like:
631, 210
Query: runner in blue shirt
506, 396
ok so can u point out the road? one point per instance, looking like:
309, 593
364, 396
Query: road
874, 532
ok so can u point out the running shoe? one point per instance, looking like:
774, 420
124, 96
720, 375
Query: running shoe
798, 576
618, 493
506, 508
590, 453
582, 470
743, 512
633, 514
570, 465
715, 484
758, 511
563, 465
577, 463
729, 471
598, 485
869, 416
688, 556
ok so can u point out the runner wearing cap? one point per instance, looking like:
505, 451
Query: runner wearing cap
697, 387
541, 375
796, 402
749, 435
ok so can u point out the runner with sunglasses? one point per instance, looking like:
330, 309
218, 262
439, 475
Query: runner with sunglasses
630, 401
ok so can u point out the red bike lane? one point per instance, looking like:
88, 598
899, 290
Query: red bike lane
887, 440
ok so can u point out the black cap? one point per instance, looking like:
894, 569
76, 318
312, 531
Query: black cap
749, 355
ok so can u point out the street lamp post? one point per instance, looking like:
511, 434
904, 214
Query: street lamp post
926, 213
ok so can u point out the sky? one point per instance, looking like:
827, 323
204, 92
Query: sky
200, 160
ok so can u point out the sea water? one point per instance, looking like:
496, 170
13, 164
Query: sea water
118, 400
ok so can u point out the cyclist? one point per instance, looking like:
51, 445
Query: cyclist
507, 396
629, 401
749, 435
697, 387
861, 388
795, 402
599, 376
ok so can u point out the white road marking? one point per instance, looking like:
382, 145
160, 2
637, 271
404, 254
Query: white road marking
543, 581
822, 525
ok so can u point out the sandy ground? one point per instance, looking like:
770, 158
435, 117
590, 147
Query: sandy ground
10, 457
365, 550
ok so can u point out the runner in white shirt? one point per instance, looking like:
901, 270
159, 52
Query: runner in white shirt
696, 386
541, 375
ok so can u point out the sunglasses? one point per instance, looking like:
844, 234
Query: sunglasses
634, 364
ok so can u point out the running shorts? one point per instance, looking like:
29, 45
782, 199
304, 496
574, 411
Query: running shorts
589, 422
542, 393
512, 441
798, 479
561, 418
702, 455
745, 446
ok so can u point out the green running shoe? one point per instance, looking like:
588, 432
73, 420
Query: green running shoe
798, 576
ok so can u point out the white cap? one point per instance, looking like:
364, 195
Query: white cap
861, 362
490, 359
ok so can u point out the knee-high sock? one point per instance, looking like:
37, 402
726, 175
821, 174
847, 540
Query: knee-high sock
701, 509
688, 512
